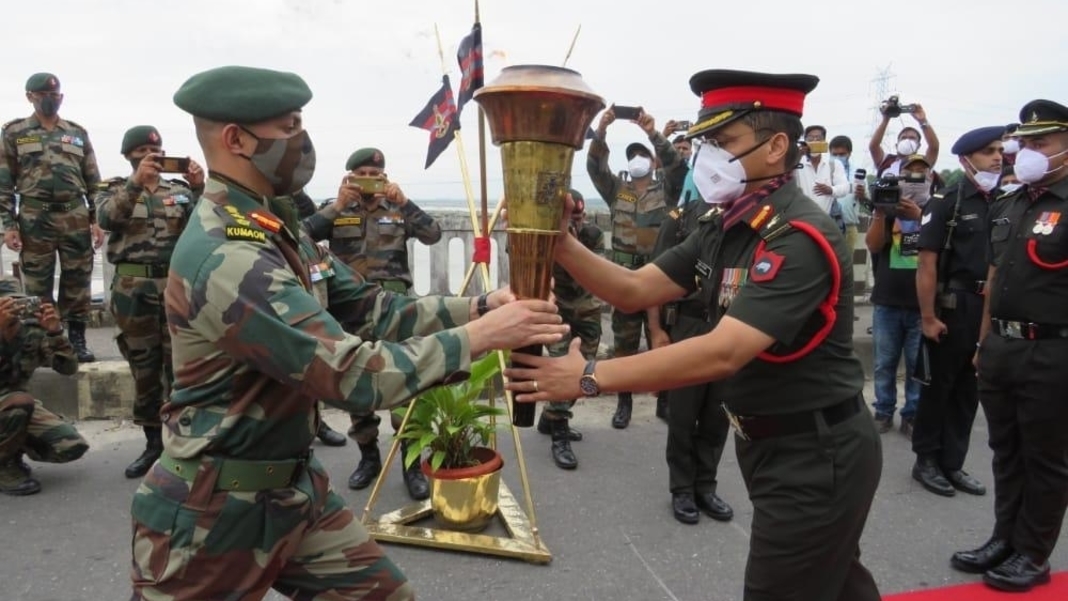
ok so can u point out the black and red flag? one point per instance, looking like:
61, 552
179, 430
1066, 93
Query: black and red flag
470, 57
440, 118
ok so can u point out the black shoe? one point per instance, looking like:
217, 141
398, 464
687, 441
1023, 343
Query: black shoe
883, 424
21, 464
906, 427
662, 406
964, 482
684, 508
14, 482
545, 428
926, 472
369, 467
76, 335
976, 561
330, 437
153, 449
563, 456
714, 507
1018, 574
624, 406
414, 479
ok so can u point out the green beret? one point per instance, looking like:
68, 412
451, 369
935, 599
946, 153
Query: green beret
140, 135
42, 82
576, 195
242, 94
9, 286
366, 156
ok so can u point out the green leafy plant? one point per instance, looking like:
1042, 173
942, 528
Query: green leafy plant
450, 421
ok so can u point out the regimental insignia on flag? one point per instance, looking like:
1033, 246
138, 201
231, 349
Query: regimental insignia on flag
765, 266
438, 117
469, 56
1046, 222
733, 280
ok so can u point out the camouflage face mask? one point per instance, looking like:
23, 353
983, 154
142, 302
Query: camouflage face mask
288, 163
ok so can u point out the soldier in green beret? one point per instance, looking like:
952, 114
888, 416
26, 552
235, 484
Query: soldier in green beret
49, 162
369, 230
144, 215
264, 322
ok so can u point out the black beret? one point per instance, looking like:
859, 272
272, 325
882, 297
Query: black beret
727, 95
236, 94
366, 157
140, 135
978, 139
638, 148
1040, 117
42, 82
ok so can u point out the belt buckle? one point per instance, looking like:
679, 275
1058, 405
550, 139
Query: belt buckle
1013, 329
736, 422
298, 469
980, 286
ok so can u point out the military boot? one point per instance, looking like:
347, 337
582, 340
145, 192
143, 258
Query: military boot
545, 427
153, 449
76, 335
621, 419
369, 467
329, 436
21, 464
563, 456
662, 406
418, 487
14, 481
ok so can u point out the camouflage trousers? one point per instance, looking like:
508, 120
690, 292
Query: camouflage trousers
627, 331
364, 428
587, 327
27, 427
192, 542
144, 341
46, 233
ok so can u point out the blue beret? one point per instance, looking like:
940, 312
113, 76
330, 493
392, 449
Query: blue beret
242, 94
978, 139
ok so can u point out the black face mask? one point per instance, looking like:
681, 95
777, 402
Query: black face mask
48, 106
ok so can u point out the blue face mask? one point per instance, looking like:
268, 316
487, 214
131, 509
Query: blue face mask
845, 162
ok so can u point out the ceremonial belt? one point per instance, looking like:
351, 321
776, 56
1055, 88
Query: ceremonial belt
240, 475
395, 286
141, 270
51, 205
973, 286
758, 427
1025, 330
628, 259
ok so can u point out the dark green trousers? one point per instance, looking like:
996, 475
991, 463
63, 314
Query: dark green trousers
811, 495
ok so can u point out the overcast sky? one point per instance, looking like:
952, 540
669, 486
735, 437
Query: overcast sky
373, 65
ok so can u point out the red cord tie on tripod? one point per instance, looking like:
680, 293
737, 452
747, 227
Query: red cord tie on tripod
482, 250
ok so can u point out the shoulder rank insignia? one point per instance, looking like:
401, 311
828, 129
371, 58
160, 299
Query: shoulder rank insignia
240, 232
267, 222
758, 220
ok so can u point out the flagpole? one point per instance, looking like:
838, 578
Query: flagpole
573, 40
482, 148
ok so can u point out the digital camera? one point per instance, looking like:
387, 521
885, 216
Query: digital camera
893, 108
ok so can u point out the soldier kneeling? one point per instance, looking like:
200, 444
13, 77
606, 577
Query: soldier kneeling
31, 335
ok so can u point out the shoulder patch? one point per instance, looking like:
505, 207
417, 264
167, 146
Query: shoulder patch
766, 266
247, 233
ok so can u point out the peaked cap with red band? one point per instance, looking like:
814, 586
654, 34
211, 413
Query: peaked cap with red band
727, 95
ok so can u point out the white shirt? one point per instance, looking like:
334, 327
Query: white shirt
829, 172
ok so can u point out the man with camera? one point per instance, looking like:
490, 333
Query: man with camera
31, 336
908, 141
144, 215
638, 206
950, 283
822, 180
892, 240
368, 227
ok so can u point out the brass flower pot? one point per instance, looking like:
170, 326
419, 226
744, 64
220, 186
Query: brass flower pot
465, 499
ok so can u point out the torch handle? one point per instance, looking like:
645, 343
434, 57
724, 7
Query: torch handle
523, 413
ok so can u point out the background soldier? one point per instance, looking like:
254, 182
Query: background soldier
49, 162
1021, 359
28, 341
582, 312
637, 207
144, 214
369, 231
950, 282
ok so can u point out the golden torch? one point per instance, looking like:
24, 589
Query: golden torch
538, 116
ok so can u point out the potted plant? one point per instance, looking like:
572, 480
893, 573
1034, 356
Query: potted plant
451, 424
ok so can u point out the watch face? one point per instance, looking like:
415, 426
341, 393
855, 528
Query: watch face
589, 386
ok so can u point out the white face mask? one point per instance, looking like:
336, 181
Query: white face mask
1031, 165
919, 192
1011, 146
907, 146
639, 166
985, 180
718, 175
1010, 188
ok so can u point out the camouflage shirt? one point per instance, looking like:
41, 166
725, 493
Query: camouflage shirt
569, 293
144, 226
636, 217
374, 243
31, 348
53, 166
254, 346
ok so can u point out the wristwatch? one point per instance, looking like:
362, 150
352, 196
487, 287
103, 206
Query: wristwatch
483, 304
588, 382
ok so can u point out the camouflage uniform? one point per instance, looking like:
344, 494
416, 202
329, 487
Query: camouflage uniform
143, 228
25, 425
52, 172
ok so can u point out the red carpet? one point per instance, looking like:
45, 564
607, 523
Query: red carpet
1057, 590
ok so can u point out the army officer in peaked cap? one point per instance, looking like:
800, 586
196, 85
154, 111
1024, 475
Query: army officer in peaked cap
237, 504
774, 270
